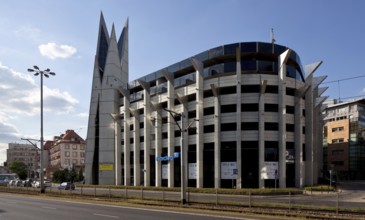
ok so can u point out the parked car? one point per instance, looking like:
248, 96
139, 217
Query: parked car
37, 184
66, 186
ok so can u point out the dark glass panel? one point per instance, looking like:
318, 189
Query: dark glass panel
265, 47
228, 108
227, 90
271, 107
265, 65
250, 88
290, 109
230, 67
228, 126
271, 126
249, 126
272, 89
248, 47
230, 49
249, 107
248, 65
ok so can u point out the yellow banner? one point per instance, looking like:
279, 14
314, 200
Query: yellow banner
104, 167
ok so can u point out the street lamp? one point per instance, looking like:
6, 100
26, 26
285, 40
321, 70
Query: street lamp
47, 72
182, 157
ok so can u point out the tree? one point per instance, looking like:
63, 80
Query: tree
60, 176
72, 175
20, 168
81, 174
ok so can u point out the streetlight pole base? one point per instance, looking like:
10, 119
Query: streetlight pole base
43, 191
183, 201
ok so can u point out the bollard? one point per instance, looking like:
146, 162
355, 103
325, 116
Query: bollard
163, 195
110, 193
337, 203
95, 191
126, 193
142, 193
216, 196
289, 201
249, 198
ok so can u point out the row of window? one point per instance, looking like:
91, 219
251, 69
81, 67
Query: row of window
245, 126
337, 140
337, 129
74, 161
74, 147
222, 91
74, 154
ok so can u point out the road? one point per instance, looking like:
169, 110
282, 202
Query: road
18, 207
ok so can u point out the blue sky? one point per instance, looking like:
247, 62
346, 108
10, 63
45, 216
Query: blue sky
62, 36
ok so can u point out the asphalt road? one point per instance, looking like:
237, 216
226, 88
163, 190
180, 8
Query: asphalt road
17, 207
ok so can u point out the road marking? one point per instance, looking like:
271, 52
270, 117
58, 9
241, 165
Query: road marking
109, 216
47, 207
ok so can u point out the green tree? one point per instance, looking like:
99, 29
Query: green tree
81, 174
20, 168
60, 176
72, 175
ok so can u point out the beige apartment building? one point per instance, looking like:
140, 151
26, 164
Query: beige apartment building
66, 151
25, 153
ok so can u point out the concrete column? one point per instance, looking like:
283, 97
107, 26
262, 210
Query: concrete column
127, 145
136, 150
170, 128
198, 66
146, 132
238, 119
261, 137
158, 147
298, 142
282, 117
217, 138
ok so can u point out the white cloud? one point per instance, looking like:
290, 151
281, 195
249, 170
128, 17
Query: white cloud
54, 51
20, 99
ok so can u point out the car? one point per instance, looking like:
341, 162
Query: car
37, 184
66, 186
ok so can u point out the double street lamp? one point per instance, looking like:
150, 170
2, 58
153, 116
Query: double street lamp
47, 72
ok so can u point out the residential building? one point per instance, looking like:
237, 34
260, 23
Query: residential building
239, 115
66, 151
26, 153
344, 140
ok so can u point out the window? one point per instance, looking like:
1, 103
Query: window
82, 161
271, 126
337, 141
248, 126
74, 154
67, 161
228, 127
271, 107
208, 128
74, 161
227, 90
250, 88
82, 147
67, 146
82, 154
228, 108
209, 111
74, 147
67, 153
290, 109
250, 107
337, 129
337, 152
290, 127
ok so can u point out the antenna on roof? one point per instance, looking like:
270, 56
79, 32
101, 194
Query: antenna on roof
272, 36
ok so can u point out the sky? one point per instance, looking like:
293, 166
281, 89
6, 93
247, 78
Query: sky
62, 36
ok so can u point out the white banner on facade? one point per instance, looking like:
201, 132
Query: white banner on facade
192, 171
165, 175
228, 170
270, 170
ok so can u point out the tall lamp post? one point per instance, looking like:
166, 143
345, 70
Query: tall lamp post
182, 157
47, 72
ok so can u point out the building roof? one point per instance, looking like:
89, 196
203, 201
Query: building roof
336, 105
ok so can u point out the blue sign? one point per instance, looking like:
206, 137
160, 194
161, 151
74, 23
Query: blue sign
168, 158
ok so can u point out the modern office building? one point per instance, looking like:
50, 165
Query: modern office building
239, 115
344, 140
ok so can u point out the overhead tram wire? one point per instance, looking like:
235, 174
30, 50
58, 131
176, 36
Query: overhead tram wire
340, 80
